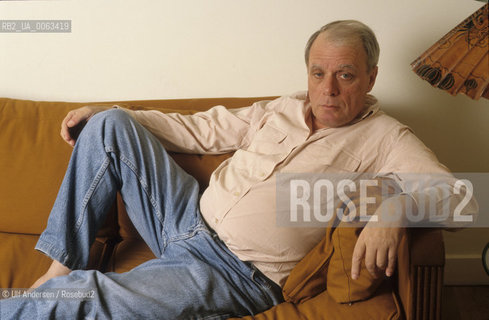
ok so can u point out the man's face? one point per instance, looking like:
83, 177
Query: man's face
338, 81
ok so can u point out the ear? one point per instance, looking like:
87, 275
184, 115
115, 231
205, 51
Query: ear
372, 77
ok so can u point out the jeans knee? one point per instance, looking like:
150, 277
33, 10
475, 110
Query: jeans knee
109, 120
105, 126
112, 116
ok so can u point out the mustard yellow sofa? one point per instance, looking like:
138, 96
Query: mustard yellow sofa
33, 159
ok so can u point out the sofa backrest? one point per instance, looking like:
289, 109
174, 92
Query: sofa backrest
33, 157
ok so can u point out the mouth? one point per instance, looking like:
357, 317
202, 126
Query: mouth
329, 106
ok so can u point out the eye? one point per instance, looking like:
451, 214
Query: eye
346, 76
317, 74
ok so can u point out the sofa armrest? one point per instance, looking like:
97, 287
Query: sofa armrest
420, 273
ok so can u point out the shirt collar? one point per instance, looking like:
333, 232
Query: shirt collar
371, 108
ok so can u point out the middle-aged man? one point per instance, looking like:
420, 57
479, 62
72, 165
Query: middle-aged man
222, 254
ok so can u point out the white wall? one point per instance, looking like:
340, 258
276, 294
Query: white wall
120, 50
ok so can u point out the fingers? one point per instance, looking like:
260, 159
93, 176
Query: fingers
65, 133
380, 255
392, 258
381, 259
358, 254
376, 261
75, 118
386, 261
371, 261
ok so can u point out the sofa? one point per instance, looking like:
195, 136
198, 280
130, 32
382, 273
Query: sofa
33, 159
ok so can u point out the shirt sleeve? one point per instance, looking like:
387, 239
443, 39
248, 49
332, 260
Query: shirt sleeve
439, 197
215, 131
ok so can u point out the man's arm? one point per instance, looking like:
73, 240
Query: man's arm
378, 244
217, 130
421, 178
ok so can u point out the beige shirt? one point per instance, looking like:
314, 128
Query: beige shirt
274, 136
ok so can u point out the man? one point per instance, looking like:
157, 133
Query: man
221, 254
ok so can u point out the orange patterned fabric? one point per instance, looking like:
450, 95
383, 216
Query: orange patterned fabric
459, 62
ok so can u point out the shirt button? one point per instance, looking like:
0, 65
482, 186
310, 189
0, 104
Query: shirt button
262, 174
236, 194
216, 220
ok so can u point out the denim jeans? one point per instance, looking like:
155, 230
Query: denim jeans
195, 275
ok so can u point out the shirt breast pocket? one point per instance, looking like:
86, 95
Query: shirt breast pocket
269, 140
325, 157
341, 160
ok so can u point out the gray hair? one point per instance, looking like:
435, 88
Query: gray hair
350, 31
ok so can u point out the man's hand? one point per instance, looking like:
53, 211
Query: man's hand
75, 118
378, 246
378, 242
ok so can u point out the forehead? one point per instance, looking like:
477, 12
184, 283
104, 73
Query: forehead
327, 51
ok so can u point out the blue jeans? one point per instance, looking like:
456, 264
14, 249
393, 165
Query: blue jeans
195, 275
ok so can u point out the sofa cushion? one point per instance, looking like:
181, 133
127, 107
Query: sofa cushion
340, 286
128, 254
33, 157
384, 305
328, 265
33, 160
18, 258
32, 163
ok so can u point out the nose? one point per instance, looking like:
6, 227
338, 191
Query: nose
330, 87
